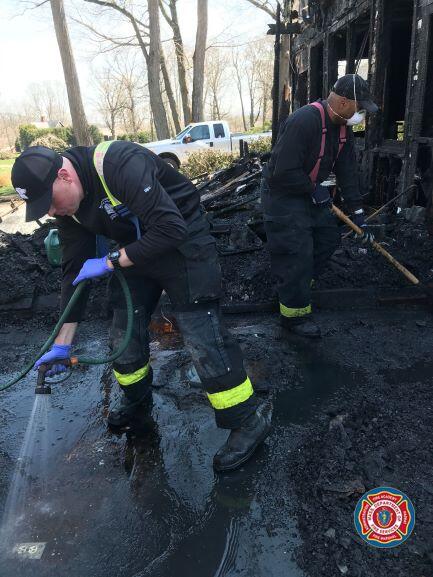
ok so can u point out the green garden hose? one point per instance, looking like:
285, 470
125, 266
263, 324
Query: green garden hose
82, 359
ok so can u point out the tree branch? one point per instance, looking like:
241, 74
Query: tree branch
120, 9
265, 6
165, 14
33, 5
126, 41
131, 18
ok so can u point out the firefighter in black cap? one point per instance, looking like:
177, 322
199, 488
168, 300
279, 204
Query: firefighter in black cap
302, 231
126, 193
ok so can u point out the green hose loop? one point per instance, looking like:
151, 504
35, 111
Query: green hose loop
82, 359
129, 325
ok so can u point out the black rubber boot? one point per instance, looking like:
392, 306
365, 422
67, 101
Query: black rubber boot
136, 400
242, 442
301, 327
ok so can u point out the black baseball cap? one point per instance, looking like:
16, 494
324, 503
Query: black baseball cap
33, 175
354, 87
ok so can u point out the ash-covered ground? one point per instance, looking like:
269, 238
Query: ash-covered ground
375, 431
352, 412
247, 274
245, 263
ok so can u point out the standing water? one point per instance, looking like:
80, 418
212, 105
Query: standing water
28, 490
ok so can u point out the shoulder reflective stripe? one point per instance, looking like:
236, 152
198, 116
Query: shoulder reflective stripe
131, 378
293, 313
76, 219
232, 397
98, 161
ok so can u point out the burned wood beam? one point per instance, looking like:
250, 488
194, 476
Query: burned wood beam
276, 83
223, 190
389, 42
350, 49
330, 69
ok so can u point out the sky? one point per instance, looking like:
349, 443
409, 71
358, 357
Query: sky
29, 50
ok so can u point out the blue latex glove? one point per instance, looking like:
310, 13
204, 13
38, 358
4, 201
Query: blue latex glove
321, 196
358, 218
56, 352
93, 268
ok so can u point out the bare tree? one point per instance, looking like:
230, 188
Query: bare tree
265, 75
46, 99
181, 59
79, 121
149, 41
111, 99
170, 95
238, 73
285, 56
251, 60
9, 128
198, 60
154, 66
216, 65
134, 91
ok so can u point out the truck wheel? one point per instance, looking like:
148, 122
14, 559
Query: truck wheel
172, 162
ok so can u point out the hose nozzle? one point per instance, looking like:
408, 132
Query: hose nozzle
41, 386
43, 390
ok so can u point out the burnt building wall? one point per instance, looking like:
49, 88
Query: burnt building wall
390, 42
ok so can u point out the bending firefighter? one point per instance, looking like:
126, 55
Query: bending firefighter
124, 192
301, 229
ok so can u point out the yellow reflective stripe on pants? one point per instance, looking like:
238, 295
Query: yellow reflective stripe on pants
232, 397
293, 313
131, 378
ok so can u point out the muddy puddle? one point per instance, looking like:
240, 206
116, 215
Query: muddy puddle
147, 502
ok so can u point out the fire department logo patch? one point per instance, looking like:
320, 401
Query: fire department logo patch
384, 517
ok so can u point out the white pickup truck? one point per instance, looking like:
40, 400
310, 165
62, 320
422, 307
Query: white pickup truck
199, 136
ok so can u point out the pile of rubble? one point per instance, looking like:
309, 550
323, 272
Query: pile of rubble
231, 199
235, 213
30, 283
24, 269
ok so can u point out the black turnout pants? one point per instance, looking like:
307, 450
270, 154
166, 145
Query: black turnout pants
191, 278
301, 237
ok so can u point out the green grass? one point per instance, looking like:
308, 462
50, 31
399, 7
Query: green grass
5, 170
6, 165
5, 190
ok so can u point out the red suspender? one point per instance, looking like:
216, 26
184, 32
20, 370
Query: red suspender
342, 141
315, 172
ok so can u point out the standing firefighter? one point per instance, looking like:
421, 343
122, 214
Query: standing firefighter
126, 193
301, 229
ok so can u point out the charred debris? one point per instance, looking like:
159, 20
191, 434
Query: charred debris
231, 199
391, 43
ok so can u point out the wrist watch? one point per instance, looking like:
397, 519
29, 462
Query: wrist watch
114, 257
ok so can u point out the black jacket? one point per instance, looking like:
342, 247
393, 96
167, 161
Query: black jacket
296, 152
166, 203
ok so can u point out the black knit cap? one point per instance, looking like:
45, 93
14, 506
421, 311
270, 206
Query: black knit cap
33, 175
354, 87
